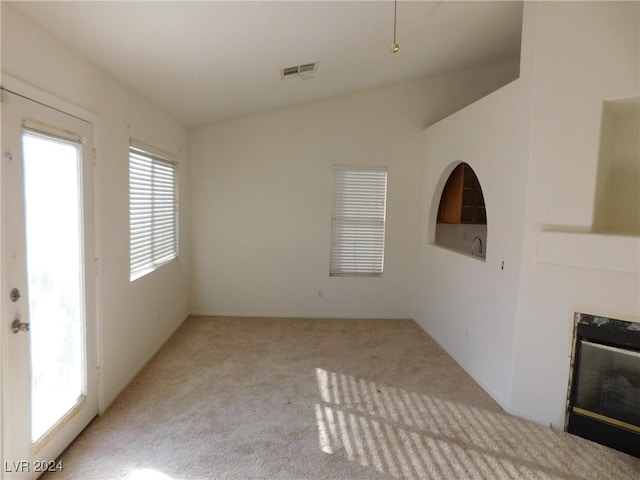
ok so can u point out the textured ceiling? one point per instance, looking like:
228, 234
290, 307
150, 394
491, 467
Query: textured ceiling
208, 61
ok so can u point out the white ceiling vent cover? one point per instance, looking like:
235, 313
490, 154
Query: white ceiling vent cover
300, 70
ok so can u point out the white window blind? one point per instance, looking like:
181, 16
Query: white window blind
152, 211
358, 220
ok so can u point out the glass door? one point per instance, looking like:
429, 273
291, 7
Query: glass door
49, 366
54, 277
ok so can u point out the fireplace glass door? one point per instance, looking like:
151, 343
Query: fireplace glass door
608, 384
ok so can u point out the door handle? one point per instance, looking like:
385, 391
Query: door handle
18, 326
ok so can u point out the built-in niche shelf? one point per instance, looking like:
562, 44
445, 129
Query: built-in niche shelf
462, 200
613, 241
617, 196
461, 222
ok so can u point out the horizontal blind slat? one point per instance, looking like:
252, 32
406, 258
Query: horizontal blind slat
152, 211
358, 220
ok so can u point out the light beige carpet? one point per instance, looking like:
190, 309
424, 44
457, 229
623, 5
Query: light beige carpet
234, 398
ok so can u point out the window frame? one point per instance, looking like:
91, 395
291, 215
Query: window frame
160, 163
369, 242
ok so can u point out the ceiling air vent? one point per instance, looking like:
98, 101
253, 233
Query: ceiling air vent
286, 72
307, 67
300, 70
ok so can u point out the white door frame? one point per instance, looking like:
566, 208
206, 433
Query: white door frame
40, 96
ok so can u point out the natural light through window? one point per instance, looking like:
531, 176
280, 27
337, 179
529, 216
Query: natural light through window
54, 271
147, 474
153, 234
410, 435
358, 220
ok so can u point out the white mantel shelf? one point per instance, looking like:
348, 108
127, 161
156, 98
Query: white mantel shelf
595, 251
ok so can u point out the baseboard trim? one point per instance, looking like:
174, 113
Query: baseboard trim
107, 402
295, 315
540, 421
496, 398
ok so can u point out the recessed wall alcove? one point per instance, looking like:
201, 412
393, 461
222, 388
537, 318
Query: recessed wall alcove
461, 217
611, 243
617, 201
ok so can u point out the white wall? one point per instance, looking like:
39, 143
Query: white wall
136, 318
534, 145
577, 65
261, 197
468, 305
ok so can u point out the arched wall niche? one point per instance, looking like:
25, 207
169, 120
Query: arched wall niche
435, 201
459, 217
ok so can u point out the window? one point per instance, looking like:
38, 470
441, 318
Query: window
358, 218
152, 211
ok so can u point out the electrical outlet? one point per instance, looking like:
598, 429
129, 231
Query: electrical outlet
502, 265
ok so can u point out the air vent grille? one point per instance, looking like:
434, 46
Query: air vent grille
290, 71
307, 67
300, 70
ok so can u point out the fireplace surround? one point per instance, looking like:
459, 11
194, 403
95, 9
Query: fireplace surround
604, 388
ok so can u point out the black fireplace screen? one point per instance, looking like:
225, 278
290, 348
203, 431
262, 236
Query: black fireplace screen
608, 384
604, 394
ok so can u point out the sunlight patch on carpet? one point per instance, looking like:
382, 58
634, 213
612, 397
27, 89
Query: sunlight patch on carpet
147, 474
413, 436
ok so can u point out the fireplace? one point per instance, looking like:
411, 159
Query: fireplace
604, 390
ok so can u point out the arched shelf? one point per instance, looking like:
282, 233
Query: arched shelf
461, 222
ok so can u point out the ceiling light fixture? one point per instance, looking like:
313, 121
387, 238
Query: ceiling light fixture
394, 46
